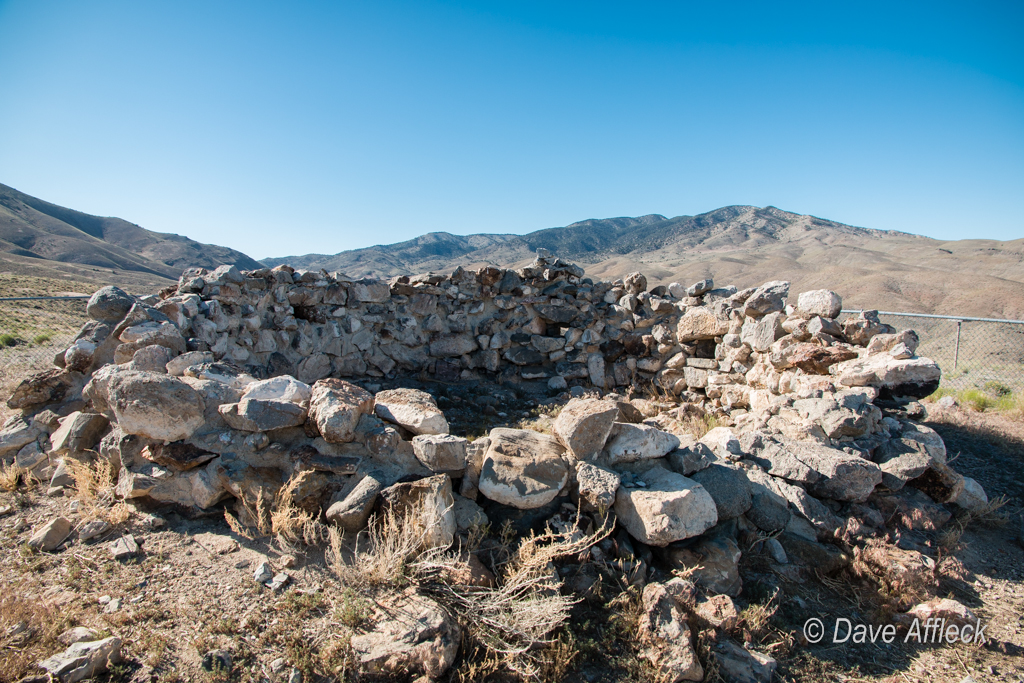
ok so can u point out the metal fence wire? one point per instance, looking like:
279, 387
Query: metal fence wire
983, 353
34, 329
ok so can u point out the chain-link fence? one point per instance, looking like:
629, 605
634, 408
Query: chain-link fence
33, 330
985, 353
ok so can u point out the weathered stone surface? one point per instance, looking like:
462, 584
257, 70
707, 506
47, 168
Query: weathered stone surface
769, 508
155, 406
109, 304
700, 323
522, 469
972, 497
336, 406
632, 442
700, 288
714, 561
827, 472
671, 508
823, 302
728, 487
917, 377
177, 456
283, 388
665, 634
45, 387
767, 298
177, 365
352, 511
413, 409
900, 461
150, 333
440, 452
944, 610
50, 535
743, 666
426, 504
691, 458
454, 345
16, 434
719, 611
257, 415
414, 636
597, 486
370, 291
84, 659
583, 426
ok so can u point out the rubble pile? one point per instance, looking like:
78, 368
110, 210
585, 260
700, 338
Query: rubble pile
229, 385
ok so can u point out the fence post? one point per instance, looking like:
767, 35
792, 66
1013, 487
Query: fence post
956, 351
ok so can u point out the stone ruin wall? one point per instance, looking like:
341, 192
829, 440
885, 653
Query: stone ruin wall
721, 347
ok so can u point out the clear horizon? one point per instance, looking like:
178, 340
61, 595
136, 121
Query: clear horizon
321, 127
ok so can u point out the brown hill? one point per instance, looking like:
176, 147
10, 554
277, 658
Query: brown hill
743, 246
41, 237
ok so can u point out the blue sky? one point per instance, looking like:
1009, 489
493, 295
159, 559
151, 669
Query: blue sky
287, 128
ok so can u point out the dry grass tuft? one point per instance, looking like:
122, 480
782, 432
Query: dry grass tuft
290, 523
10, 477
95, 485
28, 632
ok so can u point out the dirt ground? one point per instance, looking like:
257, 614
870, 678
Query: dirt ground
191, 590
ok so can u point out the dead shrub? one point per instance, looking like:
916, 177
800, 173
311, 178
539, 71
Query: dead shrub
279, 517
902, 578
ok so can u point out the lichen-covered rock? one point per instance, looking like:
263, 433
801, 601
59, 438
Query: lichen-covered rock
50, 386
665, 634
427, 505
413, 636
596, 485
410, 408
670, 508
109, 304
155, 406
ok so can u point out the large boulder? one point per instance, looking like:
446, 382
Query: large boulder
670, 508
155, 406
335, 407
523, 469
917, 377
823, 302
583, 426
826, 472
109, 304
410, 408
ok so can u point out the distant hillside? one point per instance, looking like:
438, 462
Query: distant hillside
37, 234
739, 245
